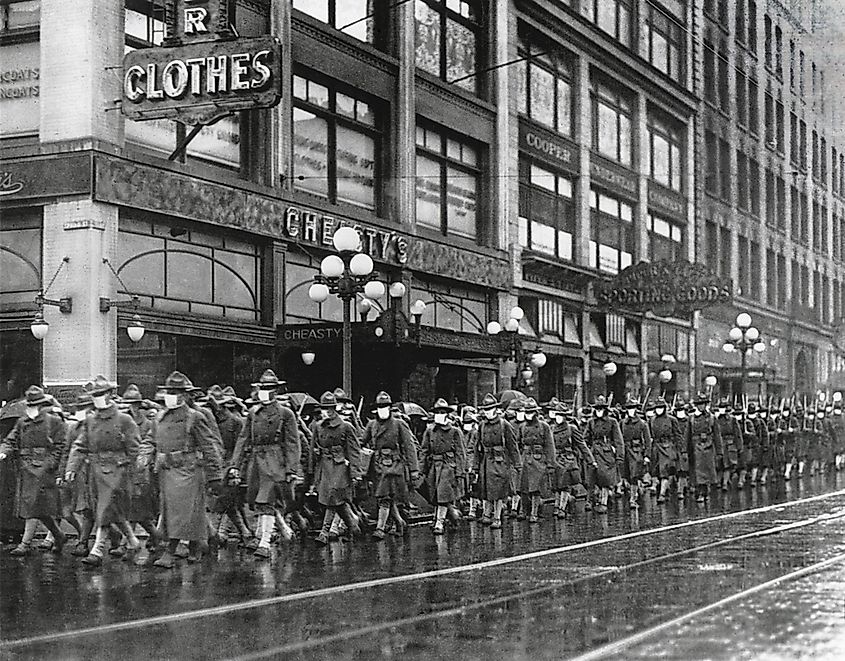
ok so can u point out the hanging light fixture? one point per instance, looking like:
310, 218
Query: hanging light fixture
39, 326
308, 357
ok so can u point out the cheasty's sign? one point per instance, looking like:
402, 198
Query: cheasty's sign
664, 287
202, 71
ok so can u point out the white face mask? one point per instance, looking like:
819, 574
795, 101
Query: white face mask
32, 412
468, 426
520, 416
682, 415
439, 418
383, 412
490, 414
80, 415
101, 401
631, 412
820, 416
171, 401
599, 413
557, 418
339, 408
659, 411
264, 396
529, 416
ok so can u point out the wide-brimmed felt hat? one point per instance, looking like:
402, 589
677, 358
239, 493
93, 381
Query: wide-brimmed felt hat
515, 404
341, 396
100, 385
35, 395
177, 381
489, 402
216, 393
441, 406
83, 399
132, 394
632, 404
530, 405
701, 398
268, 380
383, 400
328, 400
600, 403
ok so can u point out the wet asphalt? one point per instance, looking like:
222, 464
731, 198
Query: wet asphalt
623, 585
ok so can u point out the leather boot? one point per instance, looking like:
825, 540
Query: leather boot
487, 516
498, 506
323, 536
21, 550
601, 506
439, 518
383, 514
535, 508
664, 490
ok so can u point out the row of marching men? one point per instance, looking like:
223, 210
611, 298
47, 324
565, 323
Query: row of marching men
186, 469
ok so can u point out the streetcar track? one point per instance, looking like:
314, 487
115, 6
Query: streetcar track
623, 643
404, 578
300, 646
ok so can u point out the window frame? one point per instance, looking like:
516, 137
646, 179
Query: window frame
560, 68
377, 19
566, 223
665, 127
478, 29
625, 231
615, 99
674, 37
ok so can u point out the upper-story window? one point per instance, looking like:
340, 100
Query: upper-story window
612, 112
356, 18
612, 233
612, 16
448, 34
144, 23
448, 182
19, 15
665, 239
778, 53
665, 42
545, 91
336, 143
665, 151
546, 211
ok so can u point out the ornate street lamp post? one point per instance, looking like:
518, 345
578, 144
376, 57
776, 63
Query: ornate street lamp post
744, 338
346, 275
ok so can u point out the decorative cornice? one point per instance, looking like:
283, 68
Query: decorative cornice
332, 39
452, 97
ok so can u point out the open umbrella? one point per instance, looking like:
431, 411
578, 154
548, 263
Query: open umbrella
302, 399
13, 409
506, 396
411, 409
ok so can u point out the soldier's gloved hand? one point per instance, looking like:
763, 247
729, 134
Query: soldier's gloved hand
70, 476
216, 487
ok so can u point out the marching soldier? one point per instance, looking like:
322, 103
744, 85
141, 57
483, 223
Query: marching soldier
538, 458
570, 448
604, 439
705, 447
76, 495
682, 415
731, 434
767, 432
186, 459
636, 438
469, 426
337, 453
514, 415
837, 424
394, 468
269, 445
496, 456
443, 457
37, 441
789, 433
666, 437
110, 441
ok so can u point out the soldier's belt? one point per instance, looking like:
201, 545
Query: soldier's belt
39, 451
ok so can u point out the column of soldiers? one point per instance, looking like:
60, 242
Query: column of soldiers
197, 469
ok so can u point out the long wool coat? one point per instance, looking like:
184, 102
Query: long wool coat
38, 445
75, 495
443, 457
636, 436
270, 437
705, 445
338, 461
186, 456
538, 456
732, 441
394, 457
570, 451
666, 437
605, 440
496, 457
110, 441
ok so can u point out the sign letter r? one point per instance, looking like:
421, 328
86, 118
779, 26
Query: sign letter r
194, 18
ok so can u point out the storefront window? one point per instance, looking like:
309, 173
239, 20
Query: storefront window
665, 42
182, 270
612, 16
452, 308
665, 151
20, 257
665, 239
546, 211
447, 33
336, 144
545, 93
447, 183
612, 111
353, 17
612, 242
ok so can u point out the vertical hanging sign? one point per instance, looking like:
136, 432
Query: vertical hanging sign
203, 70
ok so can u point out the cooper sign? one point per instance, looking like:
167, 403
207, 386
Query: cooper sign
666, 288
203, 72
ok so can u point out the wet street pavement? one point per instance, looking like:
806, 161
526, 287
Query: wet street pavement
753, 574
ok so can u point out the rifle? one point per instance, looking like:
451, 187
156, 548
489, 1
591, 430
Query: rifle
645, 399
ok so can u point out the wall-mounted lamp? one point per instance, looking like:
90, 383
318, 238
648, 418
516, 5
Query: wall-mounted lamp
39, 326
135, 329
308, 357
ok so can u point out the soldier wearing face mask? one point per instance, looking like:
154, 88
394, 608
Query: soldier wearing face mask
666, 437
515, 416
270, 436
766, 433
394, 467
495, 456
186, 460
705, 447
469, 427
754, 442
570, 451
337, 455
636, 437
110, 440
789, 424
538, 459
604, 439
77, 508
732, 442
37, 441
837, 426
443, 457
818, 438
